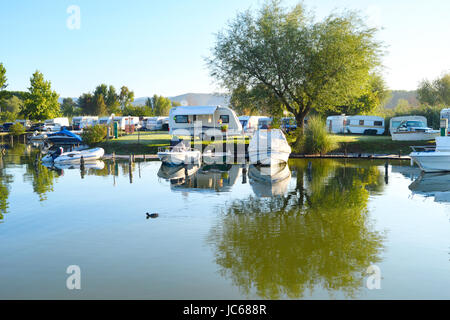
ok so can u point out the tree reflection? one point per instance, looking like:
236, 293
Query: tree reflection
319, 235
5, 181
41, 177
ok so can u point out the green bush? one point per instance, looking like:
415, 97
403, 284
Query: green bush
17, 129
94, 134
316, 138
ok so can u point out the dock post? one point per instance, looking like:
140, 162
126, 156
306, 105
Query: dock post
114, 156
244, 175
399, 153
224, 148
386, 172
235, 145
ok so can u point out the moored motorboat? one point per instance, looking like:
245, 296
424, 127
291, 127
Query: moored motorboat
433, 159
179, 154
268, 147
88, 155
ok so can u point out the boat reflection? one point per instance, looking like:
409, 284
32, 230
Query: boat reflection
269, 181
435, 185
95, 165
177, 174
214, 178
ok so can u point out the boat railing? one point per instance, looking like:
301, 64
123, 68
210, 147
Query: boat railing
174, 149
423, 148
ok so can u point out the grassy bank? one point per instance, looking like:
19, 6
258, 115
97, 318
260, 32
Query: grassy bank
374, 144
148, 143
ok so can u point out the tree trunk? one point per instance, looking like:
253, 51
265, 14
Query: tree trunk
300, 118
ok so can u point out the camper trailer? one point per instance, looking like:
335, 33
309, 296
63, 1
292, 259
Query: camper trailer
208, 121
55, 124
249, 123
365, 124
155, 123
105, 121
336, 124
81, 122
124, 122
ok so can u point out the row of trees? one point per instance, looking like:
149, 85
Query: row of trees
40, 102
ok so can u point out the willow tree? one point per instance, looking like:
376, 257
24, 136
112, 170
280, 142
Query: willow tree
305, 64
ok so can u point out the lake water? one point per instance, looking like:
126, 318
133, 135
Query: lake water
331, 232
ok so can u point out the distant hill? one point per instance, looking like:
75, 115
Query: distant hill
194, 99
410, 96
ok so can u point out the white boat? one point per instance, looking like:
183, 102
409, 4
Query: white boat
88, 155
413, 130
433, 159
179, 154
268, 147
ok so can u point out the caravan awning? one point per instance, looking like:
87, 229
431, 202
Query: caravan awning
197, 110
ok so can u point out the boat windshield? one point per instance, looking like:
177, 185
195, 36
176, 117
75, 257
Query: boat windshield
415, 124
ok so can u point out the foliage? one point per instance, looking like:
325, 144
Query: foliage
316, 138
257, 100
435, 92
3, 78
17, 129
94, 134
126, 96
160, 105
42, 101
8, 116
305, 64
375, 94
100, 105
69, 108
138, 111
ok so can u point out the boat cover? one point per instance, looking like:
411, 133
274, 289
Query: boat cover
67, 133
273, 140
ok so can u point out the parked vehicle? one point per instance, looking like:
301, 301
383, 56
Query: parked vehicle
361, 124
336, 124
25, 123
6, 126
55, 124
288, 124
82, 122
208, 121
431, 159
249, 123
413, 130
155, 123
268, 147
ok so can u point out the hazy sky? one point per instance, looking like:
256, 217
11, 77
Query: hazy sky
159, 46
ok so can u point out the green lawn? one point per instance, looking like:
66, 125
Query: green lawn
148, 143
375, 144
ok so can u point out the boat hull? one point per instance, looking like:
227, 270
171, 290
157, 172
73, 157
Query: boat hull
268, 158
414, 136
177, 158
75, 156
432, 161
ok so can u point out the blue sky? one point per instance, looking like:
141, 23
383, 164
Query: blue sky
159, 46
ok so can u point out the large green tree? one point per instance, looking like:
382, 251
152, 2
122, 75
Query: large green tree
69, 107
126, 96
436, 91
305, 64
3, 78
161, 105
42, 101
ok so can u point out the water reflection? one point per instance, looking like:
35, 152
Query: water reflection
269, 181
319, 234
435, 185
214, 178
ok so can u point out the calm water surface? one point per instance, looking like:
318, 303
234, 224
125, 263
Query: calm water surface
222, 233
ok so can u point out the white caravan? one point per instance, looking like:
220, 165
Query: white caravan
81, 122
155, 123
249, 123
365, 124
126, 121
55, 124
336, 124
208, 121
105, 121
